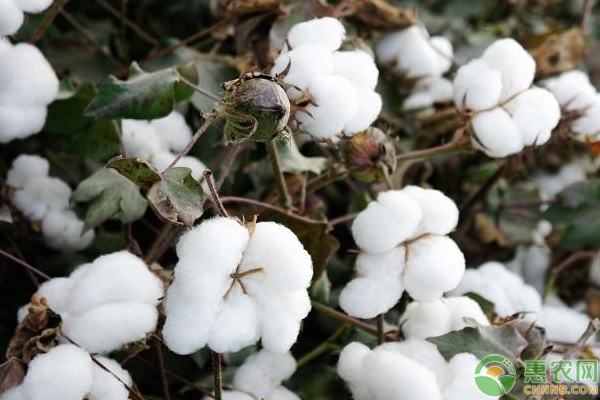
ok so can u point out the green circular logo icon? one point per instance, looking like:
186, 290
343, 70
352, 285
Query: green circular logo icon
495, 375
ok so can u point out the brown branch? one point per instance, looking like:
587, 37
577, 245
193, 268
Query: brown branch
217, 376
234, 199
215, 195
161, 368
380, 329
465, 209
208, 121
233, 153
133, 26
179, 379
592, 328
573, 258
48, 18
284, 195
24, 264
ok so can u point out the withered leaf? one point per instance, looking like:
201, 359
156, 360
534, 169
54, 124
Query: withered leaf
11, 374
559, 52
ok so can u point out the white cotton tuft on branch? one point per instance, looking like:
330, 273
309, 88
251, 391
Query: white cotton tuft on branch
11, 13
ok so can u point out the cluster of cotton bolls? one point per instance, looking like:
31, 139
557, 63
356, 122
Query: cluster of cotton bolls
236, 284
27, 85
11, 13
67, 372
260, 377
107, 303
413, 54
159, 141
413, 369
43, 198
576, 94
505, 112
341, 83
403, 246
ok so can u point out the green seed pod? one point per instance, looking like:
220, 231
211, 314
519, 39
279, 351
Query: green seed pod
368, 153
255, 108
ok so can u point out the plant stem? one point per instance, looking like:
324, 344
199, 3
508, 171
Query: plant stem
234, 199
465, 210
48, 18
233, 153
325, 179
592, 328
323, 347
380, 329
179, 379
446, 148
208, 121
573, 258
161, 368
135, 28
213, 190
157, 245
218, 380
200, 90
24, 264
284, 195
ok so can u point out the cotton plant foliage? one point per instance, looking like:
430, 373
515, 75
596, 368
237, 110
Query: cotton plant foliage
27, 85
413, 369
340, 83
403, 246
236, 284
12, 13
42, 198
67, 372
505, 112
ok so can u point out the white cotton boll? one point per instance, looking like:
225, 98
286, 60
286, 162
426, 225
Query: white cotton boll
140, 139
34, 6
264, 371
281, 393
63, 230
443, 46
71, 381
464, 307
172, 131
440, 214
536, 261
115, 277
26, 167
369, 107
423, 320
474, 282
552, 184
515, 64
477, 86
55, 291
351, 361
105, 385
563, 324
40, 195
365, 297
380, 228
387, 48
337, 103
357, 66
382, 265
417, 100
535, 112
11, 17
328, 32
417, 56
496, 133
463, 386
589, 123
108, 327
441, 90
435, 265
573, 90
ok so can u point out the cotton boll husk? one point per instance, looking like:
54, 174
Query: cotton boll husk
264, 371
440, 214
328, 32
382, 265
435, 265
108, 327
477, 86
140, 139
55, 292
172, 131
369, 107
71, 381
515, 64
116, 277
535, 112
24, 168
11, 17
589, 123
105, 385
563, 324
357, 66
573, 90
423, 320
63, 230
236, 325
463, 386
369, 297
337, 104
497, 134
41, 194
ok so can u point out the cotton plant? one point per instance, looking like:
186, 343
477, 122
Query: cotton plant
107, 303
12, 13
413, 369
42, 198
340, 84
495, 94
235, 284
159, 141
27, 85
551, 184
66, 372
403, 246
413, 54
260, 377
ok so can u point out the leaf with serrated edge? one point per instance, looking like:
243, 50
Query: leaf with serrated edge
140, 172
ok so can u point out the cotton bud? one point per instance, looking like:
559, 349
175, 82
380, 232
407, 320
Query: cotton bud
256, 108
370, 152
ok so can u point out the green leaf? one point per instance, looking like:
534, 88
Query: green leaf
294, 162
138, 171
177, 198
144, 95
111, 196
482, 341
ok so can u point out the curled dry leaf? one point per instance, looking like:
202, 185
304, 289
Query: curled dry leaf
379, 14
559, 52
11, 374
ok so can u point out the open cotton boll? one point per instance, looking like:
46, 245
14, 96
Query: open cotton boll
40, 195
572, 89
440, 213
462, 385
417, 100
515, 64
351, 361
105, 386
369, 107
535, 112
172, 131
426, 319
24, 168
140, 139
464, 307
563, 324
366, 297
34, 6
63, 230
496, 133
418, 58
435, 265
357, 66
589, 123
327, 31
264, 371
443, 46
11, 17
55, 292
477, 86
336, 101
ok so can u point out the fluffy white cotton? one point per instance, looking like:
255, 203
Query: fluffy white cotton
477, 86
563, 324
26, 167
550, 185
63, 230
55, 291
233, 287
262, 374
403, 248
105, 385
11, 13
496, 134
589, 123
40, 195
573, 90
594, 273
27, 85
462, 386
341, 84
